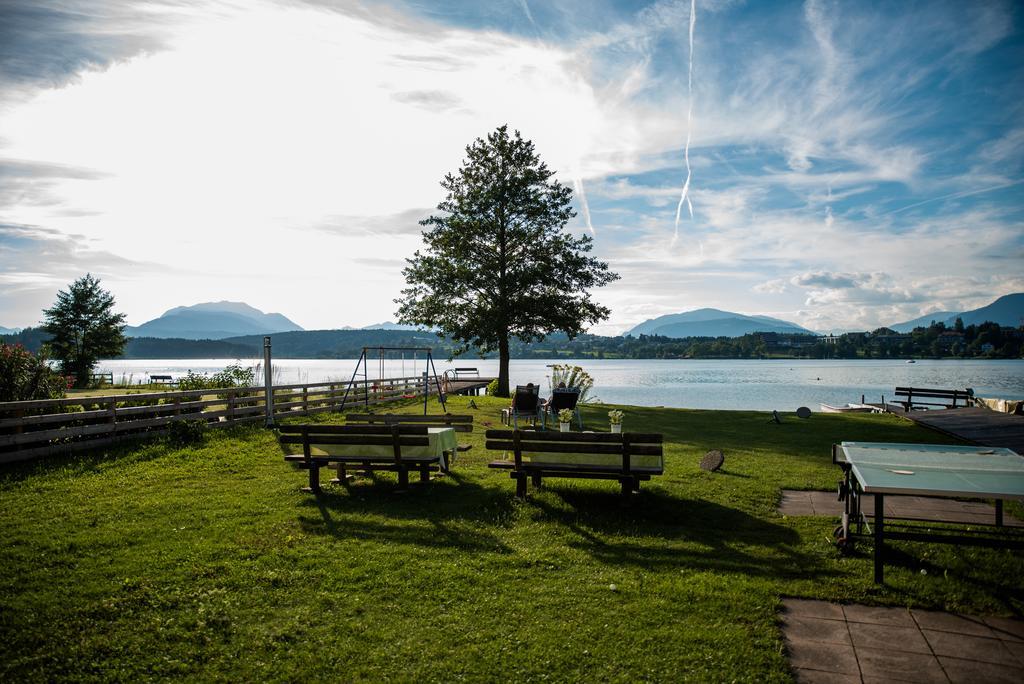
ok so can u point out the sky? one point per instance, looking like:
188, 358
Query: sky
849, 164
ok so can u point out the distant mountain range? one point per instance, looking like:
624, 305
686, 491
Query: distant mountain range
9, 331
714, 323
223, 320
388, 325
1008, 310
212, 321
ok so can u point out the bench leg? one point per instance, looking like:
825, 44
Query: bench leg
536, 477
521, 485
314, 478
636, 484
403, 478
627, 486
341, 475
424, 475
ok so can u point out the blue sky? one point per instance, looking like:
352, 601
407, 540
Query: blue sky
851, 164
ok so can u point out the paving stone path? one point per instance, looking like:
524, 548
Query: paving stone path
908, 507
828, 642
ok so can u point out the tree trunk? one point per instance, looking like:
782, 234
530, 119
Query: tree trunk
503, 367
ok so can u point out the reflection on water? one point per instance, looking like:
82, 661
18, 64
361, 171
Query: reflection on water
714, 384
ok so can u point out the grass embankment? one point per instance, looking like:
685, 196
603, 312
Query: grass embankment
209, 563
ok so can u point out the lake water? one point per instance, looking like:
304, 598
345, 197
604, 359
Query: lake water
711, 384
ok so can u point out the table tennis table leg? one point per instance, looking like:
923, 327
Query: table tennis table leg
879, 536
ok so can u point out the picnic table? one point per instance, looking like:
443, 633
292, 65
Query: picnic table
441, 444
934, 470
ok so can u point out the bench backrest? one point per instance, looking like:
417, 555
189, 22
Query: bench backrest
931, 393
460, 423
396, 436
625, 445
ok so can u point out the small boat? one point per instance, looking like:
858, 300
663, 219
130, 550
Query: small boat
849, 408
911, 361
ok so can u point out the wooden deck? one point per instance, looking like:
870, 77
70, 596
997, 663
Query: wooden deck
976, 425
468, 386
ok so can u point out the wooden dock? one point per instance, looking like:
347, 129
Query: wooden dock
974, 424
468, 386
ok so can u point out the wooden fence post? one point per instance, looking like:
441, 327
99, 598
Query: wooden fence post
113, 414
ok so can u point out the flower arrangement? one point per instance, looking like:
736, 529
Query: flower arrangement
565, 416
615, 417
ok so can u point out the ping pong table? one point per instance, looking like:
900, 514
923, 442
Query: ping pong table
932, 470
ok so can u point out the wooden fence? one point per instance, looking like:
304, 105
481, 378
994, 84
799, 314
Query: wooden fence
30, 429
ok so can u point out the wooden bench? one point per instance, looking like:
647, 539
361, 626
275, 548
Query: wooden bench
161, 379
397, 437
590, 455
912, 396
458, 423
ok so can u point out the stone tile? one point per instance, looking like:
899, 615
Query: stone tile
816, 655
800, 627
899, 666
946, 622
804, 676
811, 608
1006, 628
972, 672
969, 647
872, 637
1016, 648
899, 617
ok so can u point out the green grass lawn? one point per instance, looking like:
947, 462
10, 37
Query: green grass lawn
208, 562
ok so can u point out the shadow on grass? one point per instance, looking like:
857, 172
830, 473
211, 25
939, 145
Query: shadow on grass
452, 513
1004, 587
663, 531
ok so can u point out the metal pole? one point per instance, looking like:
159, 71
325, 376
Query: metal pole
426, 391
268, 382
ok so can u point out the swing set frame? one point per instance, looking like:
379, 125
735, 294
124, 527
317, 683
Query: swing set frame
379, 354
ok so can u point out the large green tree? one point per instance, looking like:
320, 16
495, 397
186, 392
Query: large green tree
84, 328
498, 262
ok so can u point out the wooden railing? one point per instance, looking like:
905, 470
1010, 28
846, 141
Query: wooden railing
30, 429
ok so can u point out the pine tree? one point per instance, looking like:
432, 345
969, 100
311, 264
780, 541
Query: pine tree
498, 262
84, 328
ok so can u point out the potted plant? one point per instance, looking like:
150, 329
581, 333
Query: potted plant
564, 420
615, 418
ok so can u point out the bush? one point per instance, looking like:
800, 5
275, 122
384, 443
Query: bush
186, 432
25, 376
234, 376
492, 387
193, 381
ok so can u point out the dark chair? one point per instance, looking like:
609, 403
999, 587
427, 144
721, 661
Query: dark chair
525, 403
562, 398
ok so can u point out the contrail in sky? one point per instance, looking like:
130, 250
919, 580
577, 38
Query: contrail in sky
578, 182
955, 195
685, 197
526, 11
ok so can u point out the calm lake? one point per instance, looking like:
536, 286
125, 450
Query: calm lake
711, 384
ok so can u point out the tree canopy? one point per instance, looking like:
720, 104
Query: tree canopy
497, 261
84, 328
